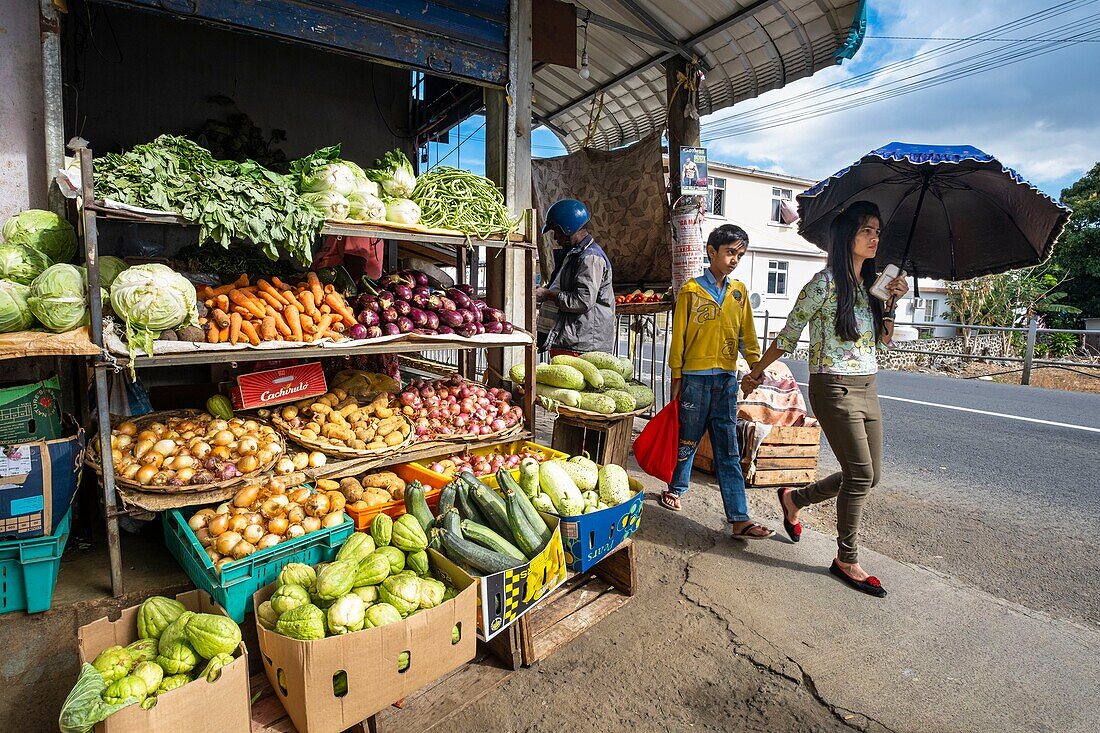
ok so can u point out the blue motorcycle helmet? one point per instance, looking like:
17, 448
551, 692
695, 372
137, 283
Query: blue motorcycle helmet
567, 215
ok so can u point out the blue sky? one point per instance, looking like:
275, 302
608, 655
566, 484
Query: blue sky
1040, 115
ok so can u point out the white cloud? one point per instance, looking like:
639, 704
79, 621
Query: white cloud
1040, 116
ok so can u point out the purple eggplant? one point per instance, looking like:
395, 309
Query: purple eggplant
422, 290
418, 317
467, 331
389, 315
374, 332
494, 327
445, 331
391, 329
402, 292
368, 318
480, 304
421, 300
460, 298
479, 327
358, 332
421, 278
450, 318
468, 289
469, 316
506, 328
402, 307
393, 279
384, 300
366, 301
492, 315
446, 304
433, 320
404, 325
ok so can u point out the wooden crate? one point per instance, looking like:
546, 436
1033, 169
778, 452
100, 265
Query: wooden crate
787, 457
578, 604
605, 440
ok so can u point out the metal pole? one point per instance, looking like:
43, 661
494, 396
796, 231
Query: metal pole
102, 395
764, 336
1029, 354
916, 215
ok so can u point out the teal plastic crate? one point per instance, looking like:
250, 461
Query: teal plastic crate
28, 570
233, 589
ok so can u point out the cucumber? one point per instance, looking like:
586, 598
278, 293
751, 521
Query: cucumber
452, 522
527, 539
491, 506
466, 505
506, 483
447, 498
416, 505
489, 539
474, 555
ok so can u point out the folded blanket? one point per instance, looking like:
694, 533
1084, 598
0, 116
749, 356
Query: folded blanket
777, 401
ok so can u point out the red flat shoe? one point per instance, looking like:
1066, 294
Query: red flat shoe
871, 586
794, 531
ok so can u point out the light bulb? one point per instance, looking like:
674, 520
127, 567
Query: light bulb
584, 72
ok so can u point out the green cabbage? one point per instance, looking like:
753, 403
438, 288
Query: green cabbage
151, 299
15, 314
336, 177
402, 211
84, 707
109, 267
329, 204
58, 298
21, 264
365, 207
394, 173
44, 231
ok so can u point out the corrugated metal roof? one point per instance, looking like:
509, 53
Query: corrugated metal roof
747, 48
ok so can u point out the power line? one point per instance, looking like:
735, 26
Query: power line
460, 144
980, 38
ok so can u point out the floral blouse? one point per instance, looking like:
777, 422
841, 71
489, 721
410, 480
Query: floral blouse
829, 354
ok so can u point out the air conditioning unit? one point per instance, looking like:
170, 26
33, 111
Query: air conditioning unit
755, 299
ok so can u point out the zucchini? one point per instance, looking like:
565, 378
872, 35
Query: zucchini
489, 539
465, 504
527, 539
451, 522
491, 506
416, 505
435, 539
447, 498
506, 483
474, 555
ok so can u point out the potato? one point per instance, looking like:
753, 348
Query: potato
351, 489
395, 438
336, 501
327, 484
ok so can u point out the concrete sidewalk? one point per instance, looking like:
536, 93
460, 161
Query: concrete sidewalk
729, 635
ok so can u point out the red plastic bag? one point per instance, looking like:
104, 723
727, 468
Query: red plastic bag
656, 448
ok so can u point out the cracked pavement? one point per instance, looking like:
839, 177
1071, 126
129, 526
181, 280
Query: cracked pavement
730, 635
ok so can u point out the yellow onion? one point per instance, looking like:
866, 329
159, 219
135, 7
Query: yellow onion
122, 442
213, 554
294, 531
295, 513
299, 496
145, 475
221, 564
251, 426
185, 474
284, 466
268, 540
116, 456
289, 412
131, 470
300, 461
220, 451
182, 460
215, 425
197, 521
226, 542
238, 522
142, 447
311, 524
158, 428
274, 506
165, 447
218, 525
265, 457
126, 428
147, 435
277, 525
335, 519
248, 464
223, 437
200, 449
223, 508
317, 459
336, 501
247, 446
252, 533
152, 458
246, 496
317, 505
204, 537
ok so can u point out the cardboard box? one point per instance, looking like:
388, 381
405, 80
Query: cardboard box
504, 597
37, 483
589, 538
30, 411
197, 707
277, 386
369, 658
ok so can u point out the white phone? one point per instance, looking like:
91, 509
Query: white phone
879, 288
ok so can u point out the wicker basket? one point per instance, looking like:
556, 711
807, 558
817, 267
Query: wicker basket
343, 451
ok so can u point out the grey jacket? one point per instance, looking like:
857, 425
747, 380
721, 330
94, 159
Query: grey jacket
585, 301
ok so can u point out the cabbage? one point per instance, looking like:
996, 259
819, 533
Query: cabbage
84, 707
402, 211
394, 173
44, 231
150, 299
328, 204
336, 177
366, 187
15, 315
109, 267
365, 207
21, 264
58, 297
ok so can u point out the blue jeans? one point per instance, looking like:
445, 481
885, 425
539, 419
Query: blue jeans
708, 404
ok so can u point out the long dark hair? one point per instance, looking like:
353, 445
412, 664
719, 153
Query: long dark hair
842, 234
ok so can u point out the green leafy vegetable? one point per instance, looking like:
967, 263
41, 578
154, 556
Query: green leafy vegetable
394, 173
402, 211
15, 314
109, 267
150, 299
84, 707
44, 231
451, 198
228, 200
58, 297
21, 264
329, 204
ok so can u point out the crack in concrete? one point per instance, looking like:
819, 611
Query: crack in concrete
743, 650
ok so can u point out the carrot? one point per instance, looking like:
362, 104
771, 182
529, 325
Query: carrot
266, 287
250, 331
324, 323
212, 333
271, 300
295, 322
307, 324
223, 336
267, 328
235, 321
336, 302
244, 300
222, 302
280, 284
281, 324
325, 308
333, 335
223, 289
242, 281
310, 304
203, 292
315, 286
330, 288
220, 317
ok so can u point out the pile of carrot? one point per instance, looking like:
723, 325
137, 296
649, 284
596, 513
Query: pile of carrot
271, 310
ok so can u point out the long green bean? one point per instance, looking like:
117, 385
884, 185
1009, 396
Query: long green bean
451, 198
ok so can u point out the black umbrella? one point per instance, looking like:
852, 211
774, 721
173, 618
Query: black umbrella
949, 212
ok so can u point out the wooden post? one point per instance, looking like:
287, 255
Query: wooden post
683, 128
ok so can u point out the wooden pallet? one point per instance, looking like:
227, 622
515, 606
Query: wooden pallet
787, 457
580, 603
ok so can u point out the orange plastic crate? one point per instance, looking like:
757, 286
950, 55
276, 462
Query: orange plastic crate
408, 472
509, 448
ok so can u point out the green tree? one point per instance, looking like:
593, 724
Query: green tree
1076, 257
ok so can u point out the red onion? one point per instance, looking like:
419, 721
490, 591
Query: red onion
407, 398
498, 425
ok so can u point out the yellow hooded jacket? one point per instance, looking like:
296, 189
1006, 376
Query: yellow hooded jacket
708, 336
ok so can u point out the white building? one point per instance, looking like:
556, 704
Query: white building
780, 262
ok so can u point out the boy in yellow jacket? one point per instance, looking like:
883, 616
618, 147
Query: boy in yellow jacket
712, 323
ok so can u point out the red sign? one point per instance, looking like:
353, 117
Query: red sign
276, 386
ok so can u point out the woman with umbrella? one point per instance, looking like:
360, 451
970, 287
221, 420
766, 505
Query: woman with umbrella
847, 327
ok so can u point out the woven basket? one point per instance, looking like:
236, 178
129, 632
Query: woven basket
343, 451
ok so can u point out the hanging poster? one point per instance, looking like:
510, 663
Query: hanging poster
693, 171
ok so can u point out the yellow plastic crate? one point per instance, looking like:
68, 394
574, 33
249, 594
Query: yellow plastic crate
506, 449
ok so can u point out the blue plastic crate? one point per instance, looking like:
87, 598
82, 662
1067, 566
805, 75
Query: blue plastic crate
589, 538
28, 570
233, 589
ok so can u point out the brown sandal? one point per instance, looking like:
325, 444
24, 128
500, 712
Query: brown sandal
746, 532
670, 501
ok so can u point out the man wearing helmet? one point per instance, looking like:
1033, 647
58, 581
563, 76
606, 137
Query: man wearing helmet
577, 310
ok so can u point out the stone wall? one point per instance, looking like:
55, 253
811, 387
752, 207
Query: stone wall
981, 345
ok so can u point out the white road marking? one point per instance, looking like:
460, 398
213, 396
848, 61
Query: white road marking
985, 412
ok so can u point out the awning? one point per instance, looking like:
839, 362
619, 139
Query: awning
744, 49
